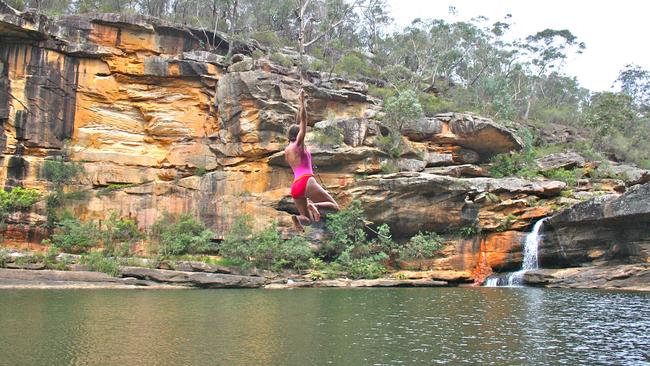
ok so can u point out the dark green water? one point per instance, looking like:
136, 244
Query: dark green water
474, 326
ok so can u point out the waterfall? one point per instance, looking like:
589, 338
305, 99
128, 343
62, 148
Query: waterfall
491, 282
530, 261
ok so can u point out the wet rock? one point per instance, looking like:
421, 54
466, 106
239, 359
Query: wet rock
195, 279
448, 276
615, 225
382, 282
29, 266
621, 277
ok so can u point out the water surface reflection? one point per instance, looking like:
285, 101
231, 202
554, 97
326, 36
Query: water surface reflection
490, 326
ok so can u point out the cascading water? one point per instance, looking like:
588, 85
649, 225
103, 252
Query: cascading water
531, 245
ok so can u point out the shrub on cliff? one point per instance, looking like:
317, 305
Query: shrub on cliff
18, 198
264, 249
175, 234
60, 172
347, 228
119, 234
421, 246
75, 236
402, 108
99, 262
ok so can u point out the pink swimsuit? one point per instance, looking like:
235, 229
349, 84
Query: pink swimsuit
301, 174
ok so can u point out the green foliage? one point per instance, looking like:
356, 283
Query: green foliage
432, 105
422, 245
320, 270
74, 236
402, 108
60, 172
265, 249
347, 228
236, 241
317, 65
608, 112
268, 250
200, 171
384, 242
469, 231
180, 234
520, 163
281, 59
114, 187
389, 168
392, 144
506, 223
367, 267
3, 258
570, 177
119, 234
98, 262
268, 39
17, 199
353, 65
329, 136
380, 92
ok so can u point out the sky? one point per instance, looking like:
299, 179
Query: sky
615, 32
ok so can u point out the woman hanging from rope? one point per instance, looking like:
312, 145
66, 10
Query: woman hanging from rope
307, 194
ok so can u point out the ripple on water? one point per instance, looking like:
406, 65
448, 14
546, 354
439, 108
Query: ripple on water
489, 326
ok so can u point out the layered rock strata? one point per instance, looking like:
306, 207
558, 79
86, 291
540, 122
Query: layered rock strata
161, 121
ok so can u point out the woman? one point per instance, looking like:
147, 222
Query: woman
307, 194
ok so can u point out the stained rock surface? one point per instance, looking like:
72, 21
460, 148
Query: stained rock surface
160, 121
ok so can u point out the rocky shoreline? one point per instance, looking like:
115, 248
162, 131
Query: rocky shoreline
634, 277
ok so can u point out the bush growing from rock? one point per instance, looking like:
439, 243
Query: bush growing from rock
265, 249
281, 59
402, 108
392, 144
98, 262
236, 241
421, 246
18, 198
75, 236
180, 234
347, 228
570, 177
119, 234
329, 136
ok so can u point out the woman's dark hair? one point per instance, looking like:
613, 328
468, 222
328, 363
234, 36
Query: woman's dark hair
293, 132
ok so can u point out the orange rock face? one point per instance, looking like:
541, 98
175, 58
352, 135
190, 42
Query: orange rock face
169, 125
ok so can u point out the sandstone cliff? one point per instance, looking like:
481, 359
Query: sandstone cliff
155, 112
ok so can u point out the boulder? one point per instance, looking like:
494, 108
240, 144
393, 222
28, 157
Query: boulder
412, 202
464, 170
479, 134
567, 160
605, 229
631, 175
621, 277
381, 282
195, 279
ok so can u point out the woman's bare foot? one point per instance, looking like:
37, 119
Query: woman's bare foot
296, 223
313, 212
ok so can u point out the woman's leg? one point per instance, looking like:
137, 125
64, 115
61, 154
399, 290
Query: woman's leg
320, 197
303, 217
